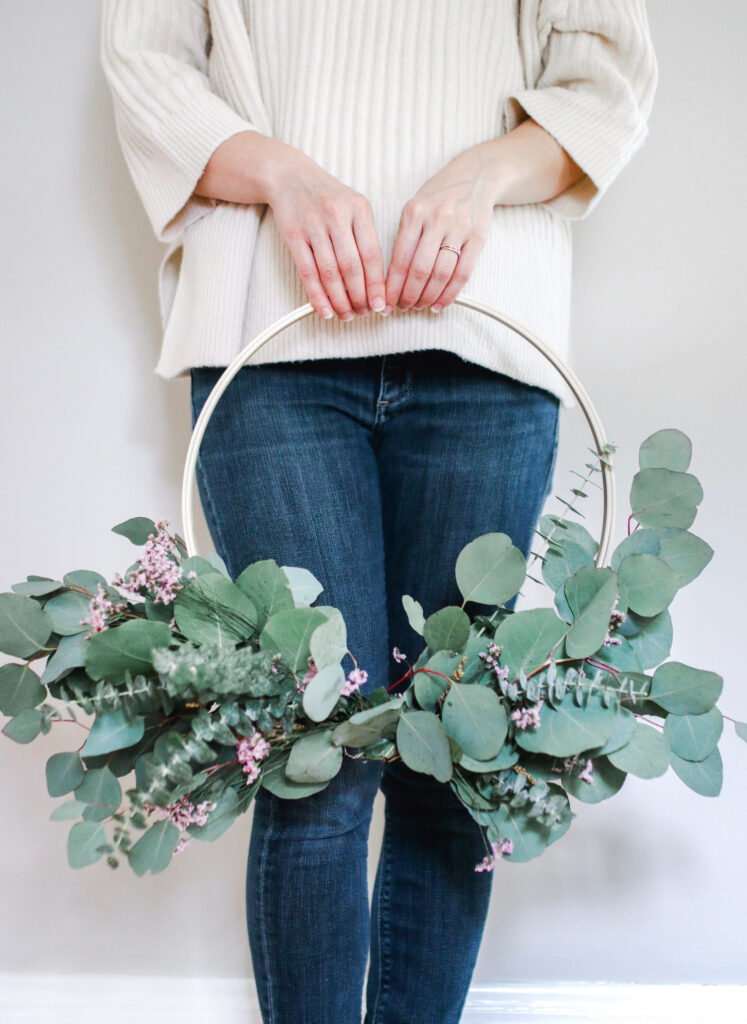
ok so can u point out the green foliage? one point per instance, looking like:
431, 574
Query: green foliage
646, 754
447, 629
154, 850
490, 569
24, 626
423, 744
414, 612
314, 758
267, 587
704, 777
527, 637
127, 648
20, 689
290, 632
590, 594
683, 690
136, 530
567, 728
476, 718
112, 731
212, 608
323, 691
175, 687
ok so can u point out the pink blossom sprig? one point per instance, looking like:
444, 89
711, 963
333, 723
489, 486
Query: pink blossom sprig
356, 678
616, 619
250, 750
490, 657
159, 570
182, 813
526, 716
498, 850
309, 675
100, 610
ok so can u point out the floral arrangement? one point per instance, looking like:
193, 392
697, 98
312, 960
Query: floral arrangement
208, 688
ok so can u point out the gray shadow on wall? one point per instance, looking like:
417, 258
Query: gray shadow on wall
130, 255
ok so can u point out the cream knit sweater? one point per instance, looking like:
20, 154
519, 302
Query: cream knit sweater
382, 94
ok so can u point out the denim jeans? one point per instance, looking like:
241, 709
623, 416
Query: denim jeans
373, 473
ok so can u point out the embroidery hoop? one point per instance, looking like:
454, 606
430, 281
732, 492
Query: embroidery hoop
578, 390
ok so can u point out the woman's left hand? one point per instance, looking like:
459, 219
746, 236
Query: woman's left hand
454, 207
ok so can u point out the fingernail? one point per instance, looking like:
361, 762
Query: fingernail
386, 311
347, 316
327, 313
378, 305
436, 307
422, 304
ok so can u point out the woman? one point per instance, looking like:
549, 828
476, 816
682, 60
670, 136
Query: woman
281, 150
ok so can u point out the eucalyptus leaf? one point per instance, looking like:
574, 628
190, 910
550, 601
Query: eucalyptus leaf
650, 583
663, 497
328, 643
704, 777
507, 756
646, 754
476, 718
100, 789
570, 534
447, 629
70, 654
155, 848
112, 731
490, 569
561, 562
125, 648
64, 773
82, 842
305, 587
289, 632
322, 692
683, 690
137, 529
369, 725
267, 587
37, 587
24, 626
212, 608
423, 744
414, 612
567, 729
693, 737
642, 541
668, 449
24, 727
590, 594
529, 837
67, 811
20, 689
527, 637
314, 758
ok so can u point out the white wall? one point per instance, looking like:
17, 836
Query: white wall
645, 887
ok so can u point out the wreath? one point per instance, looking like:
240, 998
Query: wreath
208, 688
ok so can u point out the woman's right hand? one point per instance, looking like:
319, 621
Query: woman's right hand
328, 227
330, 231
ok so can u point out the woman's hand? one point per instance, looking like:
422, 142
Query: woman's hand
454, 207
330, 231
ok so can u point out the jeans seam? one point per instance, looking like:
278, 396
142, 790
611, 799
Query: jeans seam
382, 928
262, 919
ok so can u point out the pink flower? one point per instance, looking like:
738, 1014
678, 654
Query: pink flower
490, 657
100, 610
250, 750
308, 677
184, 841
183, 813
525, 717
587, 773
498, 850
159, 569
356, 678
397, 654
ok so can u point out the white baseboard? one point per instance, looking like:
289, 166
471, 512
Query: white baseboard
150, 999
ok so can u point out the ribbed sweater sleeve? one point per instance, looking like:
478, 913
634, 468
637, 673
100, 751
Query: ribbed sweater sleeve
168, 120
594, 93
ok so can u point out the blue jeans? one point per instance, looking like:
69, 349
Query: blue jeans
373, 473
